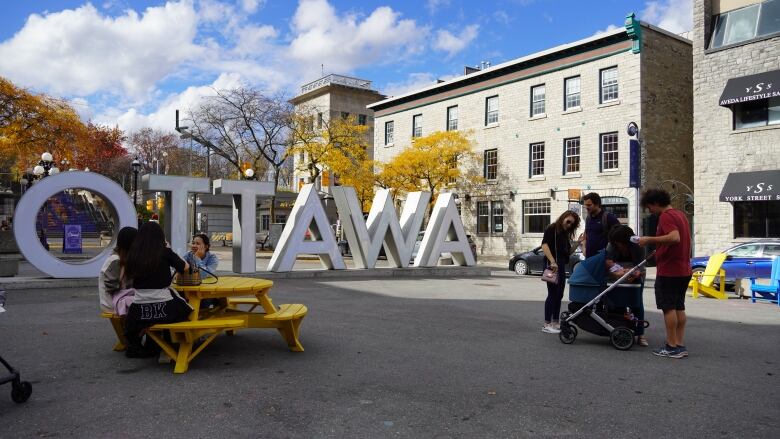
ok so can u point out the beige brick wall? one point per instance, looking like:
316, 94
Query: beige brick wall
719, 150
516, 130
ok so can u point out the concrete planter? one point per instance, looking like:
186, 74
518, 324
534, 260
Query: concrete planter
9, 254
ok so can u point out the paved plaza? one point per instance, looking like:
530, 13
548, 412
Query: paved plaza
415, 358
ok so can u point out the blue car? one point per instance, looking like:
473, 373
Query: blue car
750, 259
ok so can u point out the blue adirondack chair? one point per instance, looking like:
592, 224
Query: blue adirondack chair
771, 292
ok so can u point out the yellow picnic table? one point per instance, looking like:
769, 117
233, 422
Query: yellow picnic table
232, 292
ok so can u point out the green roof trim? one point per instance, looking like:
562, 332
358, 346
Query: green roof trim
634, 31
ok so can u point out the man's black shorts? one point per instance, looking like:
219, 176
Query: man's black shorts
670, 292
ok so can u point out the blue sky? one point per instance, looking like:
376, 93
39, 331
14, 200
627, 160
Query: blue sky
132, 63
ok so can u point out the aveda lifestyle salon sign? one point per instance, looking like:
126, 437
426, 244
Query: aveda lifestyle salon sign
444, 232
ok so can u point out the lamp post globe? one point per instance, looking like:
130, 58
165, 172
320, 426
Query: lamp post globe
46, 157
249, 173
54, 170
38, 170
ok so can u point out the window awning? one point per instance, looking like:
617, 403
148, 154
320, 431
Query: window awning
750, 88
752, 186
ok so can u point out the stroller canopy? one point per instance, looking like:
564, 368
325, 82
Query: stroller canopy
590, 272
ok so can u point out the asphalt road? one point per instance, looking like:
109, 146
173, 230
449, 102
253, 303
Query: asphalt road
418, 358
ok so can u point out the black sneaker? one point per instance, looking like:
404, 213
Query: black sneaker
683, 351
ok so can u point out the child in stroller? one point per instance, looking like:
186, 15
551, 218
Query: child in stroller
614, 310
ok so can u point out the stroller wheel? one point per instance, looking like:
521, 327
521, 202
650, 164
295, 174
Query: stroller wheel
568, 334
21, 392
622, 338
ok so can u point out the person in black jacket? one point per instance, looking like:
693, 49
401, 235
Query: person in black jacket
149, 264
557, 248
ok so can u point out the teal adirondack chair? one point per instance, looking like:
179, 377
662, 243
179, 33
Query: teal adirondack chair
771, 292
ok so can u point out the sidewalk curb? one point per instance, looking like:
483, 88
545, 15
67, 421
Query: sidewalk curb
29, 283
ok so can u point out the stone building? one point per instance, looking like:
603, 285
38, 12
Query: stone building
552, 126
736, 137
334, 96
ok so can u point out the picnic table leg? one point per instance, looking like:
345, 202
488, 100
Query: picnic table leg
121, 344
183, 357
195, 304
289, 330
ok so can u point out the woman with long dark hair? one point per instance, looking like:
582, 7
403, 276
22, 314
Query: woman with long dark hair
557, 248
622, 255
149, 264
110, 280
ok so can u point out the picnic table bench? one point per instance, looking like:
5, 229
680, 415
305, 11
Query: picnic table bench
226, 317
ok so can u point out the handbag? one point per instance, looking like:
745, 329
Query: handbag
548, 275
189, 278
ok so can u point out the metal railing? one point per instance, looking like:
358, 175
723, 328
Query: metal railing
336, 79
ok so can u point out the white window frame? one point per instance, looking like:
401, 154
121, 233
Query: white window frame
610, 91
488, 165
571, 155
538, 102
609, 147
389, 132
417, 125
483, 214
539, 207
536, 157
572, 99
496, 211
491, 115
452, 122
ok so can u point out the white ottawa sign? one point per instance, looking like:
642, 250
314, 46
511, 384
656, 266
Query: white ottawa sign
382, 228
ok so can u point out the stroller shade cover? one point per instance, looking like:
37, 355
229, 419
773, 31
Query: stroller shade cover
588, 278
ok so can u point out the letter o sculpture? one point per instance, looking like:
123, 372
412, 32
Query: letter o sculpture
26, 211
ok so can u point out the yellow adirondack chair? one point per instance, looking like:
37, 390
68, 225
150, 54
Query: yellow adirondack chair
703, 283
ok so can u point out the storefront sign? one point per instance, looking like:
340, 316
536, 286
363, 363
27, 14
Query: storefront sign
752, 186
443, 234
751, 88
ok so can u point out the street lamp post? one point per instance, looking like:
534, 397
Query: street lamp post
45, 167
136, 168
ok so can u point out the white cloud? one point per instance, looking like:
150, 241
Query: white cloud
414, 81
452, 44
344, 43
164, 117
433, 6
81, 52
673, 15
251, 6
609, 28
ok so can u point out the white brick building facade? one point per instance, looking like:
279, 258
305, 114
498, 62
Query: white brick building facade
518, 204
720, 147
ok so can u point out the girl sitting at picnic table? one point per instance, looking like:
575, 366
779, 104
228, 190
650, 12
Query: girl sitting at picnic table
200, 257
149, 264
110, 282
622, 256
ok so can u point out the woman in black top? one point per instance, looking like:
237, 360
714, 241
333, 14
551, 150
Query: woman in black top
149, 264
557, 248
622, 255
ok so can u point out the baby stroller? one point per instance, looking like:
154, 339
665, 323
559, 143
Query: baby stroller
600, 309
20, 390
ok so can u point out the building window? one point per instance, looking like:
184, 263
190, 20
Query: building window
757, 113
536, 215
491, 164
609, 84
571, 87
281, 219
389, 128
537, 100
754, 21
452, 118
491, 110
609, 152
483, 217
571, 155
536, 159
265, 222
497, 216
417, 125
757, 219
319, 120
362, 119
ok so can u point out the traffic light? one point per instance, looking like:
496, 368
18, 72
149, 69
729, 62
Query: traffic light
149, 205
160, 203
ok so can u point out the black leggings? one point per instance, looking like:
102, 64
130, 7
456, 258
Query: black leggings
143, 315
552, 305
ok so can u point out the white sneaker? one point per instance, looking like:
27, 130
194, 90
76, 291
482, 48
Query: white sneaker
550, 329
